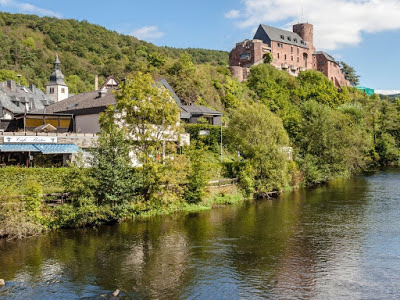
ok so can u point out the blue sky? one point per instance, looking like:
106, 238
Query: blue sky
363, 33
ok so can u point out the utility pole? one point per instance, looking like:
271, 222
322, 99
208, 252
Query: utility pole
221, 144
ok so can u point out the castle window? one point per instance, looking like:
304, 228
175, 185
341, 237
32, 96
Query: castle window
282, 37
298, 60
285, 56
291, 49
63, 91
278, 55
51, 90
298, 51
280, 45
291, 58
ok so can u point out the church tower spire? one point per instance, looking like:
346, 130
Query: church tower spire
56, 89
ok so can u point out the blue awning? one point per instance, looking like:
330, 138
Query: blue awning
43, 148
18, 148
57, 148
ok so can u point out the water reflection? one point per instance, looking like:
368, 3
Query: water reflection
319, 243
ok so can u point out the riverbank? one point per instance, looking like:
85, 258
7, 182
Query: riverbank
24, 213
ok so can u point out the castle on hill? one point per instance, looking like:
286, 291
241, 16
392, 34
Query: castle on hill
291, 51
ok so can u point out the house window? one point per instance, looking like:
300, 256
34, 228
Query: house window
63, 91
51, 90
280, 45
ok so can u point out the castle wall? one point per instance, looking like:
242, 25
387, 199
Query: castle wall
331, 70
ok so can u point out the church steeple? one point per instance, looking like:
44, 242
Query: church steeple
56, 89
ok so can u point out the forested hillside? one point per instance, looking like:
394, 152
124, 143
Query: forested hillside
29, 44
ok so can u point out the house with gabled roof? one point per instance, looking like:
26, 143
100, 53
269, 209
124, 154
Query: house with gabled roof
86, 108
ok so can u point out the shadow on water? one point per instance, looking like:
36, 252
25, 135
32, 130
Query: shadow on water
305, 244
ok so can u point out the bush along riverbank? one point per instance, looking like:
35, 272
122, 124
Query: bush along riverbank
23, 211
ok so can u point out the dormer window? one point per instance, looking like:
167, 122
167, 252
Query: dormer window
289, 38
302, 42
282, 37
295, 40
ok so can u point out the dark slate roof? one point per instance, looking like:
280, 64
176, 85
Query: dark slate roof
57, 77
84, 103
276, 34
327, 56
12, 94
200, 110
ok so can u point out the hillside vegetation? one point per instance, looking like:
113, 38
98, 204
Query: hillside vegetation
29, 44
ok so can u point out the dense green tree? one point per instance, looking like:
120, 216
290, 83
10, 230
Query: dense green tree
258, 136
151, 118
112, 166
349, 73
333, 143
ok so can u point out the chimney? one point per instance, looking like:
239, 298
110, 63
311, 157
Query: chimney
96, 82
11, 84
102, 93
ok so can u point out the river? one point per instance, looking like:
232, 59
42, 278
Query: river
337, 241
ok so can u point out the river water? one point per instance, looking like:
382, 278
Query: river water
338, 241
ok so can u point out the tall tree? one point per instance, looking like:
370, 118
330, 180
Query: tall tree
151, 117
258, 135
349, 73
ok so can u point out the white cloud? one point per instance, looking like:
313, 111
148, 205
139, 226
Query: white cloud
337, 23
148, 33
28, 8
232, 14
387, 92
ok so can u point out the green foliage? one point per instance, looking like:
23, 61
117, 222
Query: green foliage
33, 199
111, 163
315, 86
268, 58
12, 75
51, 179
199, 175
258, 135
19, 218
81, 186
149, 114
211, 137
349, 73
333, 144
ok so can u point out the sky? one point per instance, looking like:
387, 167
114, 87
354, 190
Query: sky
363, 33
